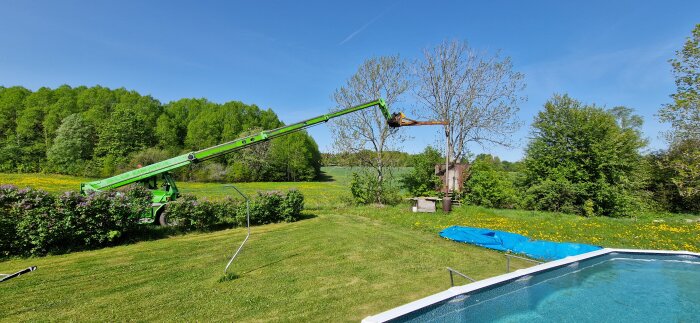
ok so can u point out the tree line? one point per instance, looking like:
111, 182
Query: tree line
581, 158
98, 132
359, 158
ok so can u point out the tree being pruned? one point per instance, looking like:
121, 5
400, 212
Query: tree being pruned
476, 93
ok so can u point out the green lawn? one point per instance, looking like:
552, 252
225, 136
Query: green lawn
341, 264
334, 267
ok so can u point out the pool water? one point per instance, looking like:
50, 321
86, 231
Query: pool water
611, 288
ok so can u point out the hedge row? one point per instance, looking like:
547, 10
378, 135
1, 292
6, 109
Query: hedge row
266, 207
33, 222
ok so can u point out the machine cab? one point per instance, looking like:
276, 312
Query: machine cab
163, 188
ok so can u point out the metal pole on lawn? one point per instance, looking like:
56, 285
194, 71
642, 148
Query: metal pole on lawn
447, 160
247, 216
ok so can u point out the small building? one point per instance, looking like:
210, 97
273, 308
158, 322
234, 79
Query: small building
457, 175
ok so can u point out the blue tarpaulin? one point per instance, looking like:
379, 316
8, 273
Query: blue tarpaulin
507, 241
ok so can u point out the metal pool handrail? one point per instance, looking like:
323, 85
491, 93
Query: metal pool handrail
452, 281
508, 256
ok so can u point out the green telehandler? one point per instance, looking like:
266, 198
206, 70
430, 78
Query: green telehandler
167, 191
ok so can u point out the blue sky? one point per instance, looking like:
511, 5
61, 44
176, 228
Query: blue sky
291, 55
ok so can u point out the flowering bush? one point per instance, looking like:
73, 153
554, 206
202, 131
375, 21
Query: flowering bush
292, 205
32, 222
267, 207
189, 213
14, 205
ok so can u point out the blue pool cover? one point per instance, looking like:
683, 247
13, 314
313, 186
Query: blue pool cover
507, 241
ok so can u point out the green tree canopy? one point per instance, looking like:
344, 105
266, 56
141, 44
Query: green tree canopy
73, 145
488, 184
126, 127
294, 157
684, 112
421, 180
580, 160
682, 161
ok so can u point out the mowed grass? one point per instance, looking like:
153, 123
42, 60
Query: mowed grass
341, 264
334, 267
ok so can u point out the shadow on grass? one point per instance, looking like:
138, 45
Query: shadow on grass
233, 276
271, 263
324, 177
307, 216
155, 232
152, 232
228, 277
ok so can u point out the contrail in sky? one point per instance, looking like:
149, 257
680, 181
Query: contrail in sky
354, 33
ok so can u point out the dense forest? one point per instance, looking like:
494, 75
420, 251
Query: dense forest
97, 132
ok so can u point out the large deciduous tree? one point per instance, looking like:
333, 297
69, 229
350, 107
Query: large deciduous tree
476, 93
581, 160
294, 157
684, 112
379, 77
72, 146
683, 157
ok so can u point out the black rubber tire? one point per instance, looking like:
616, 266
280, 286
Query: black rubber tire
163, 218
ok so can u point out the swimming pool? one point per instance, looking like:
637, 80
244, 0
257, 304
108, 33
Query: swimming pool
606, 285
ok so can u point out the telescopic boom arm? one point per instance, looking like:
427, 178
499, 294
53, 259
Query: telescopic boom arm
225, 148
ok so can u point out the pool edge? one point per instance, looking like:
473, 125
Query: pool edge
463, 289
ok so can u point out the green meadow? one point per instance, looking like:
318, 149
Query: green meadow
342, 263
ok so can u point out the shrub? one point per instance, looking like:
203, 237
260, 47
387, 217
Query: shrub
366, 189
231, 212
104, 216
189, 213
487, 186
292, 205
557, 195
14, 205
32, 222
266, 207
8, 231
43, 230
421, 180
36, 223
582, 153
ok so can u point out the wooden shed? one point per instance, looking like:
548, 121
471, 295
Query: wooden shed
458, 173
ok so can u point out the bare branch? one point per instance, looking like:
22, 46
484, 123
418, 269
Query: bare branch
477, 94
379, 77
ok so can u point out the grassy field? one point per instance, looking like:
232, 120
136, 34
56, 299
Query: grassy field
648, 231
334, 267
341, 264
